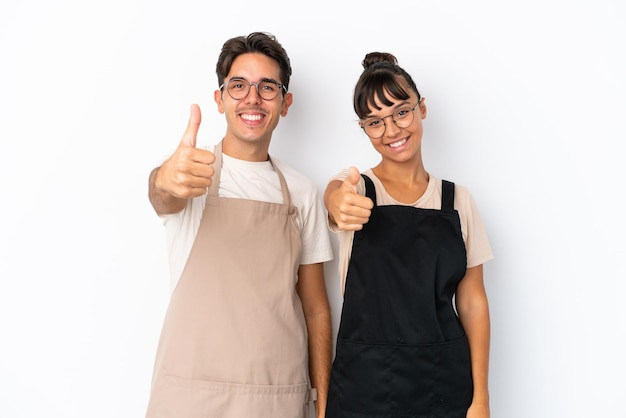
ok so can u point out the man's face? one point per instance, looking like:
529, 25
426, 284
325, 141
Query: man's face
252, 119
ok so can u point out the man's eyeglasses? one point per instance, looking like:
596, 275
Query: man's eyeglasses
375, 127
238, 88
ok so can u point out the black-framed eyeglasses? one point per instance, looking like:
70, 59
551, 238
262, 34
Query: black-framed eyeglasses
376, 127
238, 88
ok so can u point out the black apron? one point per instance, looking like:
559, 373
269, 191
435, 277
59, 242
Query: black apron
401, 348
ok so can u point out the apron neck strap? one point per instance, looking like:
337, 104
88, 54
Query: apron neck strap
447, 195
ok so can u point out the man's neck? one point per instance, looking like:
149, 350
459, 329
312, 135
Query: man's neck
244, 150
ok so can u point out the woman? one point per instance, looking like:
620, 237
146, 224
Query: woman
414, 334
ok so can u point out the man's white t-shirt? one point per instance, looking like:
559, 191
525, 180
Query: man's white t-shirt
253, 181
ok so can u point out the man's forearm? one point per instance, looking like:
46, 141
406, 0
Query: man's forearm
320, 358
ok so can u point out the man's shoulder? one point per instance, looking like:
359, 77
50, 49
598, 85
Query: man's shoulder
293, 176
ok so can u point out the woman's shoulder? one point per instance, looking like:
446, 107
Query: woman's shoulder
460, 190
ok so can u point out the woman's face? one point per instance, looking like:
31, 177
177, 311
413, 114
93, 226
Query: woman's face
402, 125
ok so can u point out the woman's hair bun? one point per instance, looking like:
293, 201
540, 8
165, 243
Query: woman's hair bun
378, 57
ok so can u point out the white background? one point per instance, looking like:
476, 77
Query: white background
526, 107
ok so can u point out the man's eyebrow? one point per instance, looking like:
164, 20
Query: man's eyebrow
245, 79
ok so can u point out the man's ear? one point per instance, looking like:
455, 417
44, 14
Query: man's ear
217, 96
287, 101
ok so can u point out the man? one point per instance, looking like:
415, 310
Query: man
248, 331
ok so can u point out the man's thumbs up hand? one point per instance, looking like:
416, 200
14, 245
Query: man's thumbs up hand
188, 172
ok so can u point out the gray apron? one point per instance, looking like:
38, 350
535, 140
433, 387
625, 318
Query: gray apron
234, 340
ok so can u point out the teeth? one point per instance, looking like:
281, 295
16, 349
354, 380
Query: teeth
397, 144
251, 117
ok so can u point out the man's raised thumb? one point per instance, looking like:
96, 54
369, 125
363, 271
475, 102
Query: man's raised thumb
191, 133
